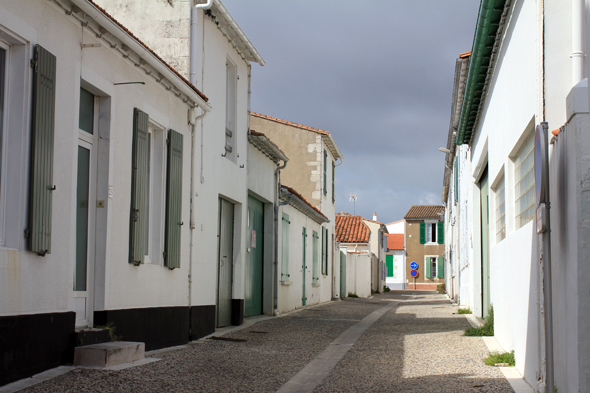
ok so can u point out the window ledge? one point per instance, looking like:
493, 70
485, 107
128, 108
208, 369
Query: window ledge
286, 283
315, 285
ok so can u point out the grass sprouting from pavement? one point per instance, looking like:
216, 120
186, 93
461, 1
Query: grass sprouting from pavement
486, 330
463, 311
496, 357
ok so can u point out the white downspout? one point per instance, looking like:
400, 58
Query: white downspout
578, 54
193, 40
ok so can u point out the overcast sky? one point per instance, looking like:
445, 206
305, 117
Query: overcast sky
377, 74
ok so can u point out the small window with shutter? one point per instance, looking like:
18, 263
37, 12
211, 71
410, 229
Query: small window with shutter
316, 252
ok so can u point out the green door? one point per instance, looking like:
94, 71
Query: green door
485, 243
254, 257
304, 267
225, 263
342, 275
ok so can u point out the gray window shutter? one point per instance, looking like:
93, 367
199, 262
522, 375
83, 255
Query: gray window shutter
333, 182
325, 172
139, 187
42, 135
173, 201
327, 252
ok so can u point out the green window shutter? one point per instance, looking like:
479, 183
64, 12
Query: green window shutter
285, 249
440, 232
441, 267
323, 248
325, 172
327, 252
333, 182
42, 136
139, 187
422, 233
389, 263
173, 201
427, 267
315, 257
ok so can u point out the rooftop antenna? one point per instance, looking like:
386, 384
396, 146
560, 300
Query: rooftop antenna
353, 198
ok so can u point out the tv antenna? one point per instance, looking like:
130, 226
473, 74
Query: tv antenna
353, 198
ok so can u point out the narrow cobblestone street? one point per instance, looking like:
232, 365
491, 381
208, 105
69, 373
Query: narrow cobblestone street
416, 345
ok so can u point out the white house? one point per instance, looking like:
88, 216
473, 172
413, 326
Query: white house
206, 44
378, 247
527, 67
96, 139
457, 197
395, 260
354, 238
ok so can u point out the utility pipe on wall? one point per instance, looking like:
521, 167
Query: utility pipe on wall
193, 40
276, 261
578, 54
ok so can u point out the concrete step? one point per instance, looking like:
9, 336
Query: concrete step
109, 354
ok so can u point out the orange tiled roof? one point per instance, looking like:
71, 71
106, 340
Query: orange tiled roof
418, 212
351, 229
395, 241
186, 81
317, 130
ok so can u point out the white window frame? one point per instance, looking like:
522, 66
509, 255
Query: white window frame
430, 237
499, 193
433, 273
156, 195
526, 145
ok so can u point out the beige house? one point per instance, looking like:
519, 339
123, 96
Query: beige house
313, 156
424, 240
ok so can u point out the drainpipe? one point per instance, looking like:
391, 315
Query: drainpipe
276, 261
193, 40
577, 41
193, 127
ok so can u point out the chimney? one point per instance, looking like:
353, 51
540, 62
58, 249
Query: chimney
375, 216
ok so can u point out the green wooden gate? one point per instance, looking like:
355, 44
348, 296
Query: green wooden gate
254, 257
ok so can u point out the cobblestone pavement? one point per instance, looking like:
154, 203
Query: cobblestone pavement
416, 346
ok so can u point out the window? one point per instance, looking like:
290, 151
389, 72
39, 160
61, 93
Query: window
325, 172
524, 182
434, 267
231, 109
285, 248
333, 182
432, 232
500, 208
316, 252
326, 253
154, 222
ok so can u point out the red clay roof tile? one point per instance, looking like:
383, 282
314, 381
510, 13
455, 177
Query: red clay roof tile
351, 229
395, 241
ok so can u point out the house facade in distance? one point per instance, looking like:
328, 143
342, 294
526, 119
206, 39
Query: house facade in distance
395, 260
424, 241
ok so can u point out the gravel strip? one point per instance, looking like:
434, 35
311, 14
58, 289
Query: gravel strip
418, 347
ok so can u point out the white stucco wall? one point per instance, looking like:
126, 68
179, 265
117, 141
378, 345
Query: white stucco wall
398, 281
32, 284
358, 274
290, 293
396, 227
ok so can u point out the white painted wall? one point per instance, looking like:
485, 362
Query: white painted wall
398, 281
290, 293
358, 274
32, 284
396, 227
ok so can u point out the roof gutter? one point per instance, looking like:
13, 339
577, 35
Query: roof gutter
490, 23
94, 13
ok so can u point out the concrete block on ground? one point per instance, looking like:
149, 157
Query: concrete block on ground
109, 354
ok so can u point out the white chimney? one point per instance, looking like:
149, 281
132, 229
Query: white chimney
375, 216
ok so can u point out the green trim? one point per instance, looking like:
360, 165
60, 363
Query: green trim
488, 24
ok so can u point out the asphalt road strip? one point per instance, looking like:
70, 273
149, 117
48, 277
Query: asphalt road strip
315, 371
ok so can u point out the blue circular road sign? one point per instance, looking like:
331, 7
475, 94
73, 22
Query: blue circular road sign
414, 273
414, 265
